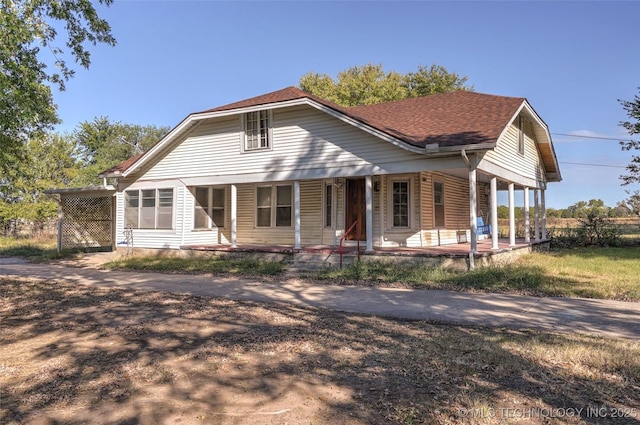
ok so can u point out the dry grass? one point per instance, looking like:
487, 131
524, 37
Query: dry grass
82, 355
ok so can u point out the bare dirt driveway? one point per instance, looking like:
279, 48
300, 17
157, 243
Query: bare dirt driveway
79, 354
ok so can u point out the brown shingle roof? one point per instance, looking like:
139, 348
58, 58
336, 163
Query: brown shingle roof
289, 93
448, 119
123, 165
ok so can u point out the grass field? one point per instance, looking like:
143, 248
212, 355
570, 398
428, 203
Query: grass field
74, 354
41, 248
607, 273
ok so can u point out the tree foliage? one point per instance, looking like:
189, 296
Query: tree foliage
632, 109
582, 209
103, 144
29, 31
369, 84
67, 160
632, 204
47, 162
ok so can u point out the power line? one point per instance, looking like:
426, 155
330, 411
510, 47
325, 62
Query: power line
593, 165
596, 137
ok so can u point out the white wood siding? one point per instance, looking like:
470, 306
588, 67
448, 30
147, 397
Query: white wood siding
311, 212
394, 236
528, 165
220, 236
456, 207
307, 144
248, 232
151, 238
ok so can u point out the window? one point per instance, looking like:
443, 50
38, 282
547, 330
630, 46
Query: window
257, 133
149, 209
217, 206
274, 206
201, 210
521, 124
328, 204
438, 204
131, 208
400, 202
209, 207
283, 205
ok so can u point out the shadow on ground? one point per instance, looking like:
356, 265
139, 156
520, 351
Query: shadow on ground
74, 354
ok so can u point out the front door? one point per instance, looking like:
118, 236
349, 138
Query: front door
356, 209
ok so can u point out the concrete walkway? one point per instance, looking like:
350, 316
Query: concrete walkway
616, 319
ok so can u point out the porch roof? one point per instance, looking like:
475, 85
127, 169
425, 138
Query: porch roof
83, 191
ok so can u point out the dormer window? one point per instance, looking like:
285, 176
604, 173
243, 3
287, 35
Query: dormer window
257, 130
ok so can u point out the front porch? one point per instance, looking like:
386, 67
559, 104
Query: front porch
455, 256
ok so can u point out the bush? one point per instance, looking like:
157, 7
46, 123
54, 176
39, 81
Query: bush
595, 229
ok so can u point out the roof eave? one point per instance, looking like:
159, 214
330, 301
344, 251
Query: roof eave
552, 177
83, 190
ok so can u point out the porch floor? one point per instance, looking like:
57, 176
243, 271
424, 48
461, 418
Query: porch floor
451, 250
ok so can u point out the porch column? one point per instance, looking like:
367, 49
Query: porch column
473, 214
527, 237
296, 214
234, 215
512, 216
494, 213
368, 196
543, 207
536, 215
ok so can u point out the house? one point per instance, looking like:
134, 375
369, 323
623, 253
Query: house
288, 168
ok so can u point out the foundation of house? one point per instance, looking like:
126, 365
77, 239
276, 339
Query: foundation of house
453, 257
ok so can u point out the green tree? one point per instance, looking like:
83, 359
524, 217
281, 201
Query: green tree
29, 30
369, 84
631, 204
48, 162
632, 109
103, 144
503, 211
551, 212
432, 80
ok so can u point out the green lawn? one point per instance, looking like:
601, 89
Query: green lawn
36, 249
214, 265
608, 273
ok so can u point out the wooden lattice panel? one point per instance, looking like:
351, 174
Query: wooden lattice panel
86, 222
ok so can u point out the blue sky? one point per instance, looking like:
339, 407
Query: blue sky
572, 60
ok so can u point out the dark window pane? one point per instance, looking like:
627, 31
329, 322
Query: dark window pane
283, 216
283, 194
149, 198
218, 198
132, 198
264, 196
218, 217
202, 196
264, 217
165, 198
328, 200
